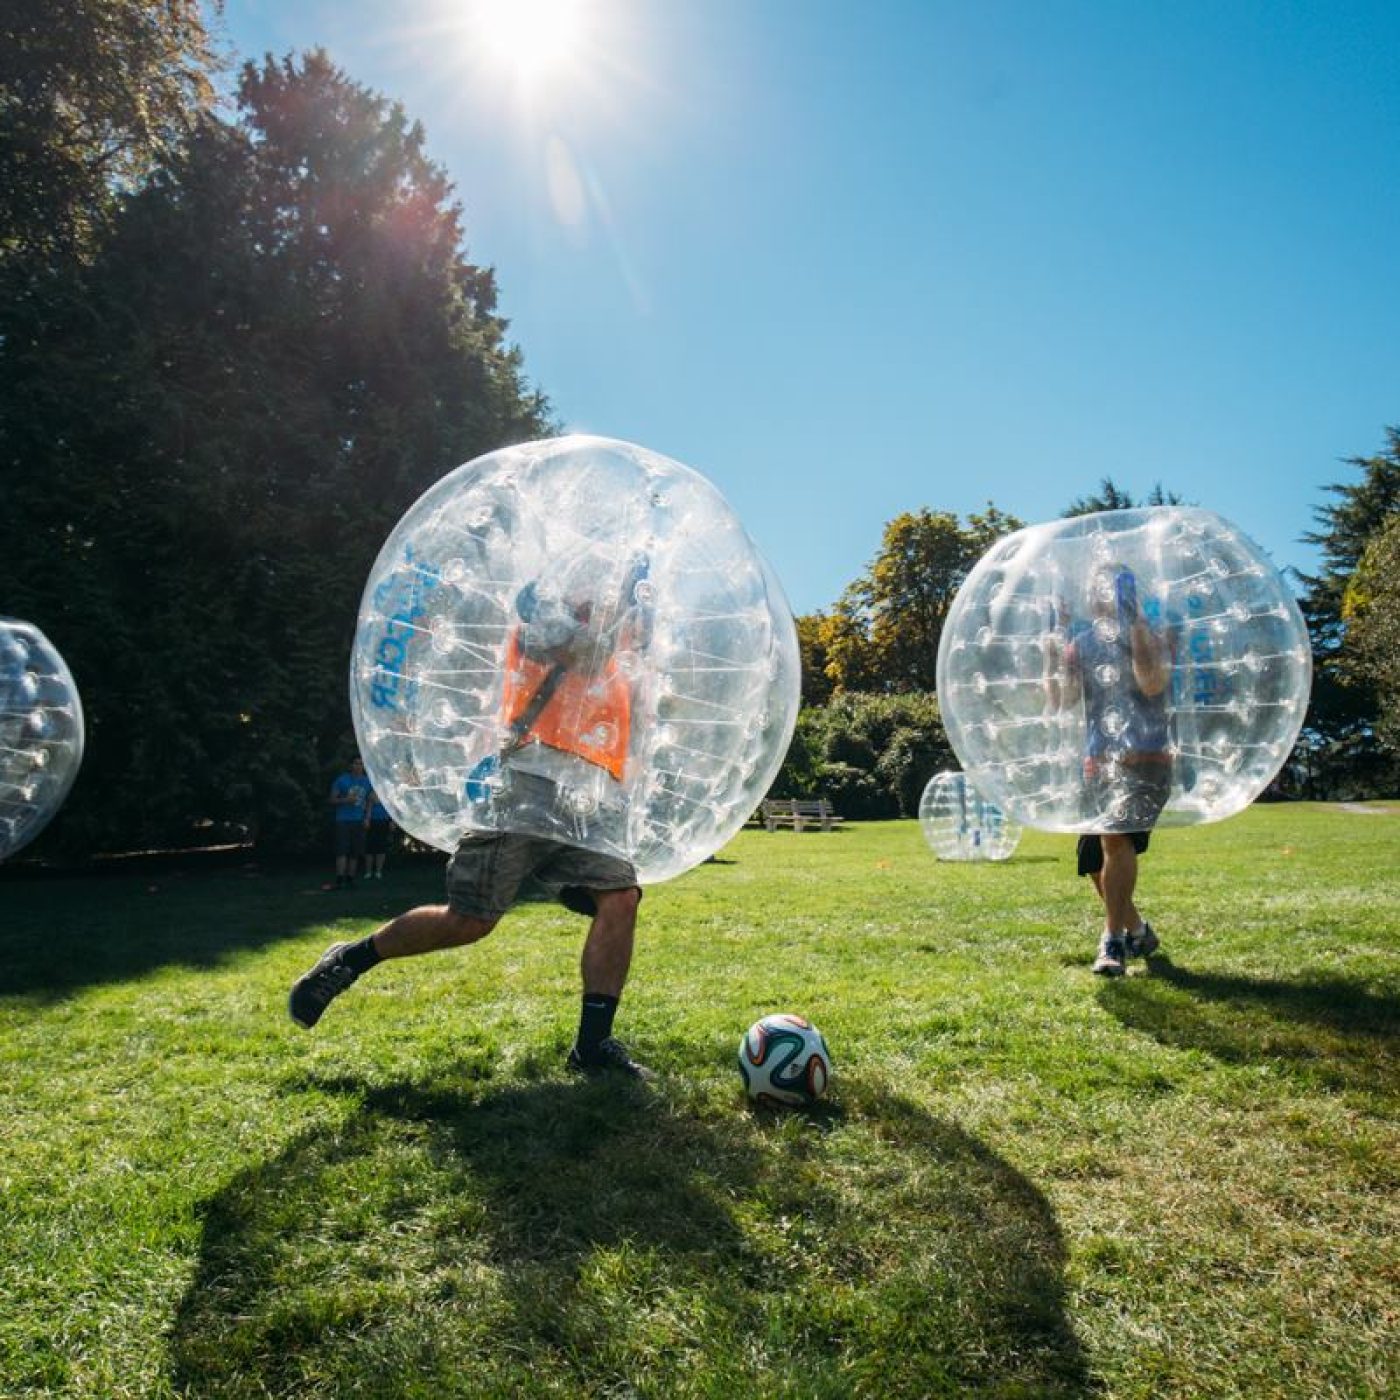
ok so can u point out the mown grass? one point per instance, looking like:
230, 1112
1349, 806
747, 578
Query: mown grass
1026, 1182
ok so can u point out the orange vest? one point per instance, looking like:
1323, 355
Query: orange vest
590, 716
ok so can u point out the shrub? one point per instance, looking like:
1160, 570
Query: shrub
872, 755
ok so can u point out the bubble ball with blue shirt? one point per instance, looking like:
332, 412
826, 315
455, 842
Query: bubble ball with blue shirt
1124, 670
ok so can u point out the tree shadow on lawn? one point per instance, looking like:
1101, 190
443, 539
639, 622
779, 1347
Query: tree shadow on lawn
591, 1238
1330, 1032
59, 936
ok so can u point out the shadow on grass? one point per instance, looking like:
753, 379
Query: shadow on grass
62, 935
1330, 1032
588, 1239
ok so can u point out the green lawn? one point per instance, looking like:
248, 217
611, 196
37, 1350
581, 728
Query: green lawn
1025, 1182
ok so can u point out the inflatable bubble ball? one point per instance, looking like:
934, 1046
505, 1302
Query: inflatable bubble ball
960, 824
41, 733
1124, 670
575, 639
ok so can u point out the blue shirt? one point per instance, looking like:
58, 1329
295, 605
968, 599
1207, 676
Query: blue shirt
349, 784
1140, 724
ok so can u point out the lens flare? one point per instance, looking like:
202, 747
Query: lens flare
531, 38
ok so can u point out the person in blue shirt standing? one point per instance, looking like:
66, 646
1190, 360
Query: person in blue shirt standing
1120, 666
349, 796
379, 827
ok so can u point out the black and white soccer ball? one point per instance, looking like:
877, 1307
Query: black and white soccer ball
784, 1060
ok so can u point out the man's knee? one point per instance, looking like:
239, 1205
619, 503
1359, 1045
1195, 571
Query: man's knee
459, 929
617, 906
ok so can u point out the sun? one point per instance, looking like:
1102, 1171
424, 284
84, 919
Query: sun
529, 39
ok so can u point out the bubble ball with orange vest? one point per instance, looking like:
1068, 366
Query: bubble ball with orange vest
41, 733
1124, 670
575, 639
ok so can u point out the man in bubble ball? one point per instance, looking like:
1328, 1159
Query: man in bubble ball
1120, 667
567, 720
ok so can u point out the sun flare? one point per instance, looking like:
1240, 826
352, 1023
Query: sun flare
529, 38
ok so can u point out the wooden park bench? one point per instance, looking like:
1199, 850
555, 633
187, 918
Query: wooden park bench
798, 813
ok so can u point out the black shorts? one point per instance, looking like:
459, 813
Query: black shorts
1091, 850
377, 838
349, 838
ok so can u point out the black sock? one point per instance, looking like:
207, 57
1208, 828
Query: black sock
360, 957
595, 1023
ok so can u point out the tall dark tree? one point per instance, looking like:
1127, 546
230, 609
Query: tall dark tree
1371, 610
1337, 755
1111, 496
280, 347
883, 634
93, 93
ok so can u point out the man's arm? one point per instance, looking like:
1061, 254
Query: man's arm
1152, 661
1151, 654
1061, 672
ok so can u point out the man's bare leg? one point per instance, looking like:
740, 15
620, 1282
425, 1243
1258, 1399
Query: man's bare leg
427, 929
604, 964
607, 951
423, 930
1115, 884
1120, 869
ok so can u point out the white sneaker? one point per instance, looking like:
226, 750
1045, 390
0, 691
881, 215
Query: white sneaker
1112, 956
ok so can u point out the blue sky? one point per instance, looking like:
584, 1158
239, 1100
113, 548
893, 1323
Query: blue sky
851, 260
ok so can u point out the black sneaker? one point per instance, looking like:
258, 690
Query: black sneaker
1112, 956
610, 1054
1143, 943
315, 990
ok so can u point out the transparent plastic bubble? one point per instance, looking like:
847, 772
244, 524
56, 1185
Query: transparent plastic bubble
1146, 667
575, 639
41, 733
960, 824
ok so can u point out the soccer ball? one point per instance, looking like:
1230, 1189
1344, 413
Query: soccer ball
784, 1060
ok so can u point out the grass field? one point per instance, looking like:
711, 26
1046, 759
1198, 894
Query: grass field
1026, 1181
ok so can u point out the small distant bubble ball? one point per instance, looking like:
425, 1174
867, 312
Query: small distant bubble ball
783, 1060
575, 638
41, 733
1124, 670
960, 824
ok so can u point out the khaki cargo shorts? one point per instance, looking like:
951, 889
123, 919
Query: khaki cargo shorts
492, 871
